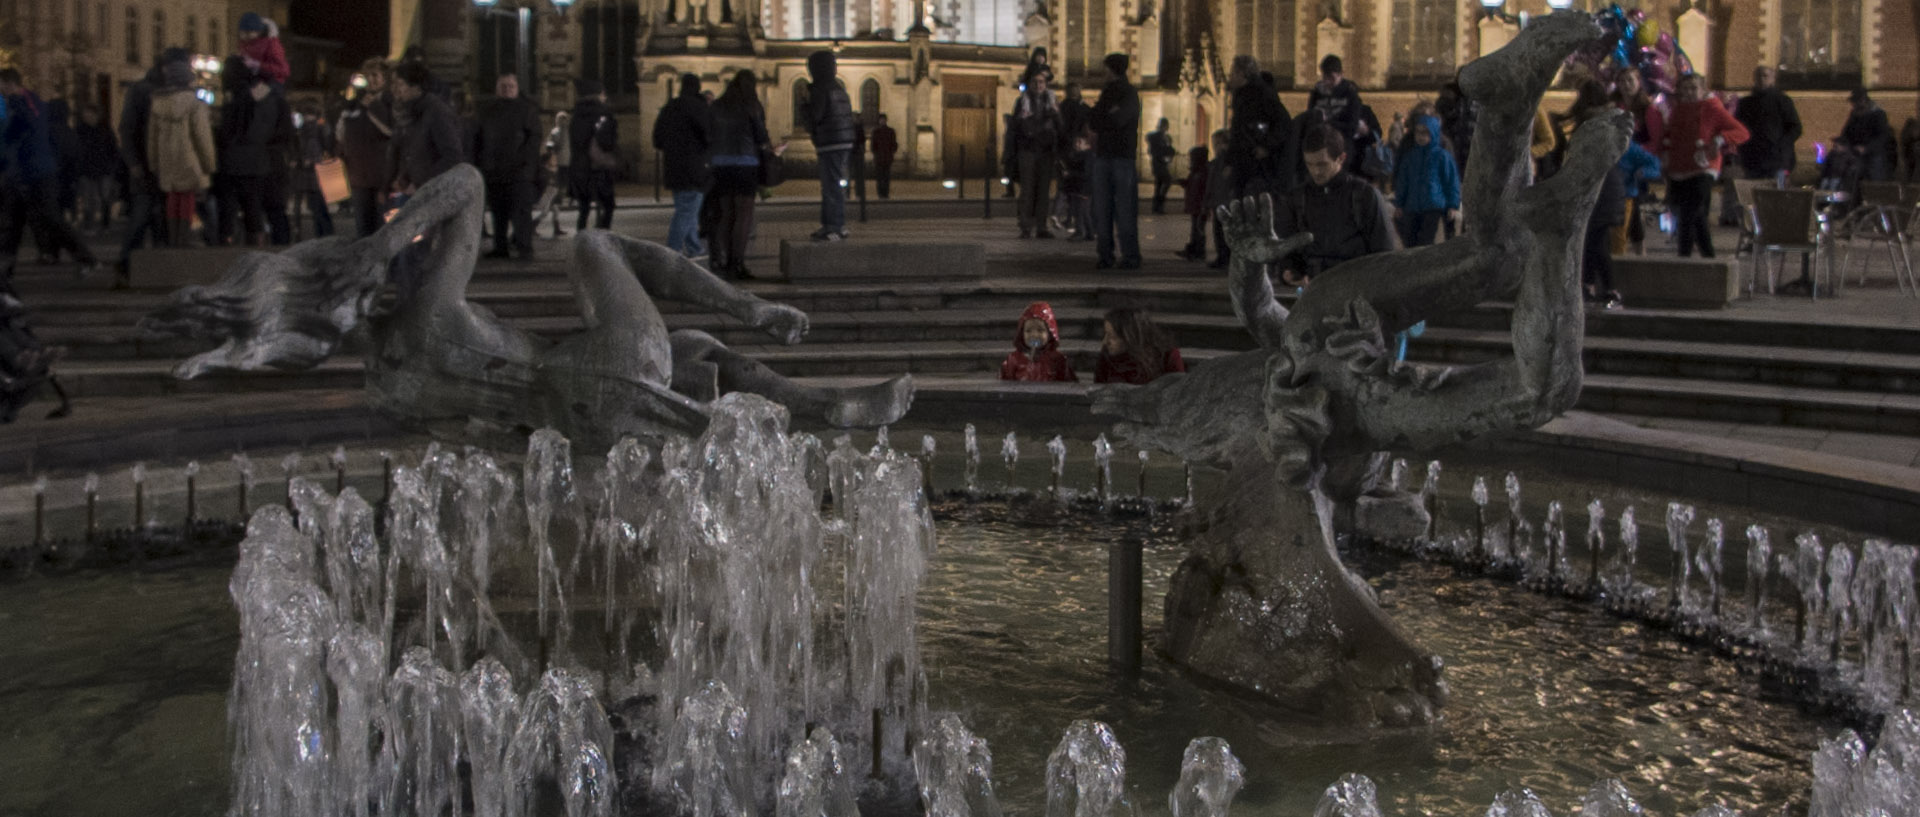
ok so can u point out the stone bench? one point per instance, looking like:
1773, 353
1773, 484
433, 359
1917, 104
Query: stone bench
169, 268
1679, 283
881, 260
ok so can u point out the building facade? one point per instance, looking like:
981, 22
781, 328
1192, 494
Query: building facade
89, 51
945, 71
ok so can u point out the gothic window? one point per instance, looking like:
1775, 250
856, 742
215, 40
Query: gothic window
823, 19
608, 32
1263, 29
100, 23
159, 32
870, 102
1819, 43
192, 41
1423, 43
499, 52
133, 35
1085, 22
800, 91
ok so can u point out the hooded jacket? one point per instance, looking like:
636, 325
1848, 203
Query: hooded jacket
1261, 122
264, 53
1047, 364
179, 141
684, 133
829, 113
1425, 178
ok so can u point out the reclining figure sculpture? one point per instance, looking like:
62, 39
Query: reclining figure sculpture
1304, 422
438, 360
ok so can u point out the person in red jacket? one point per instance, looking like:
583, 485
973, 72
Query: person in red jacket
260, 45
1689, 137
1036, 356
1135, 349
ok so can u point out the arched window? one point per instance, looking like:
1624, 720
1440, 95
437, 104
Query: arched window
1423, 43
192, 40
1819, 43
801, 89
159, 32
870, 102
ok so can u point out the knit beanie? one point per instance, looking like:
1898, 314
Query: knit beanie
1117, 63
251, 21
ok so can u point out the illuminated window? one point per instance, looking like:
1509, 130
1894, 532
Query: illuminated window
1819, 43
870, 102
159, 32
1423, 43
608, 32
133, 36
1263, 29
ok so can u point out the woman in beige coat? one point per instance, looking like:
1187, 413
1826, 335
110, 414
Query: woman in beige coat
180, 148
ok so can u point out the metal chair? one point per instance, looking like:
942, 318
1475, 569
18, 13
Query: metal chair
1877, 221
1743, 193
1788, 221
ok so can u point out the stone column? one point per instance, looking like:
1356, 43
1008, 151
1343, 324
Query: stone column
1696, 38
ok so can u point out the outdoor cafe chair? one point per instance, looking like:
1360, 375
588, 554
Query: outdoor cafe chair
1789, 221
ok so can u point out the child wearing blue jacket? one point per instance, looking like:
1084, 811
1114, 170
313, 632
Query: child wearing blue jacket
1637, 167
1426, 186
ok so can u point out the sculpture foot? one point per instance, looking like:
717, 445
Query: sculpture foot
868, 406
785, 323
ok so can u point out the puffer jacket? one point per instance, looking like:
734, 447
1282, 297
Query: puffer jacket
829, 113
1425, 178
180, 141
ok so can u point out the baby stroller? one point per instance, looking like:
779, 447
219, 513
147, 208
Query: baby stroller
25, 363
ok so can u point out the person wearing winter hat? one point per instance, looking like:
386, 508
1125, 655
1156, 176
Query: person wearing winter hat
1115, 121
828, 118
179, 148
260, 45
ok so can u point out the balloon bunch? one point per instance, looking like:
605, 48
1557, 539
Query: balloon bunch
1634, 42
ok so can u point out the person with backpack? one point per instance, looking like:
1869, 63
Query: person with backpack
594, 139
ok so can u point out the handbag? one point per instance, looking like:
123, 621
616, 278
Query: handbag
332, 175
600, 158
772, 170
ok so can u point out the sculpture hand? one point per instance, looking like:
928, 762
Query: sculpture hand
1248, 224
785, 323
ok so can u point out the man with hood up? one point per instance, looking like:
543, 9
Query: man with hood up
829, 120
1036, 355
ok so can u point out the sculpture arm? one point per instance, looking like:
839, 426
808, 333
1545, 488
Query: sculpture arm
666, 274
1249, 229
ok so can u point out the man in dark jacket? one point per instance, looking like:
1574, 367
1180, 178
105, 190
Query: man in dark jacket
829, 120
594, 137
427, 141
682, 133
1036, 128
1115, 121
1160, 153
1774, 124
885, 144
29, 194
255, 137
1347, 216
1339, 99
1261, 139
506, 149
365, 137
99, 165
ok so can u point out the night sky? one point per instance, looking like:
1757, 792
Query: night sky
360, 24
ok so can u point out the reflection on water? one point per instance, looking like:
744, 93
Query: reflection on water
112, 700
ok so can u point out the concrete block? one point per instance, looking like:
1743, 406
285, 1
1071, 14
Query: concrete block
170, 268
1680, 283
881, 261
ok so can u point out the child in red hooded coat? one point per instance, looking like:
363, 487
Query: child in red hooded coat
1036, 353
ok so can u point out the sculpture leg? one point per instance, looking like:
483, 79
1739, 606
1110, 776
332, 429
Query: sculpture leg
670, 276
702, 364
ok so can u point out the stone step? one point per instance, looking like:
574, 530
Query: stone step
1786, 366
154, 378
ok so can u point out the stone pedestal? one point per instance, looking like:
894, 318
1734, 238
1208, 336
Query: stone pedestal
1679, 283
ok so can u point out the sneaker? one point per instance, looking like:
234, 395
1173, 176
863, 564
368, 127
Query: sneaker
824, 234
844, 235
